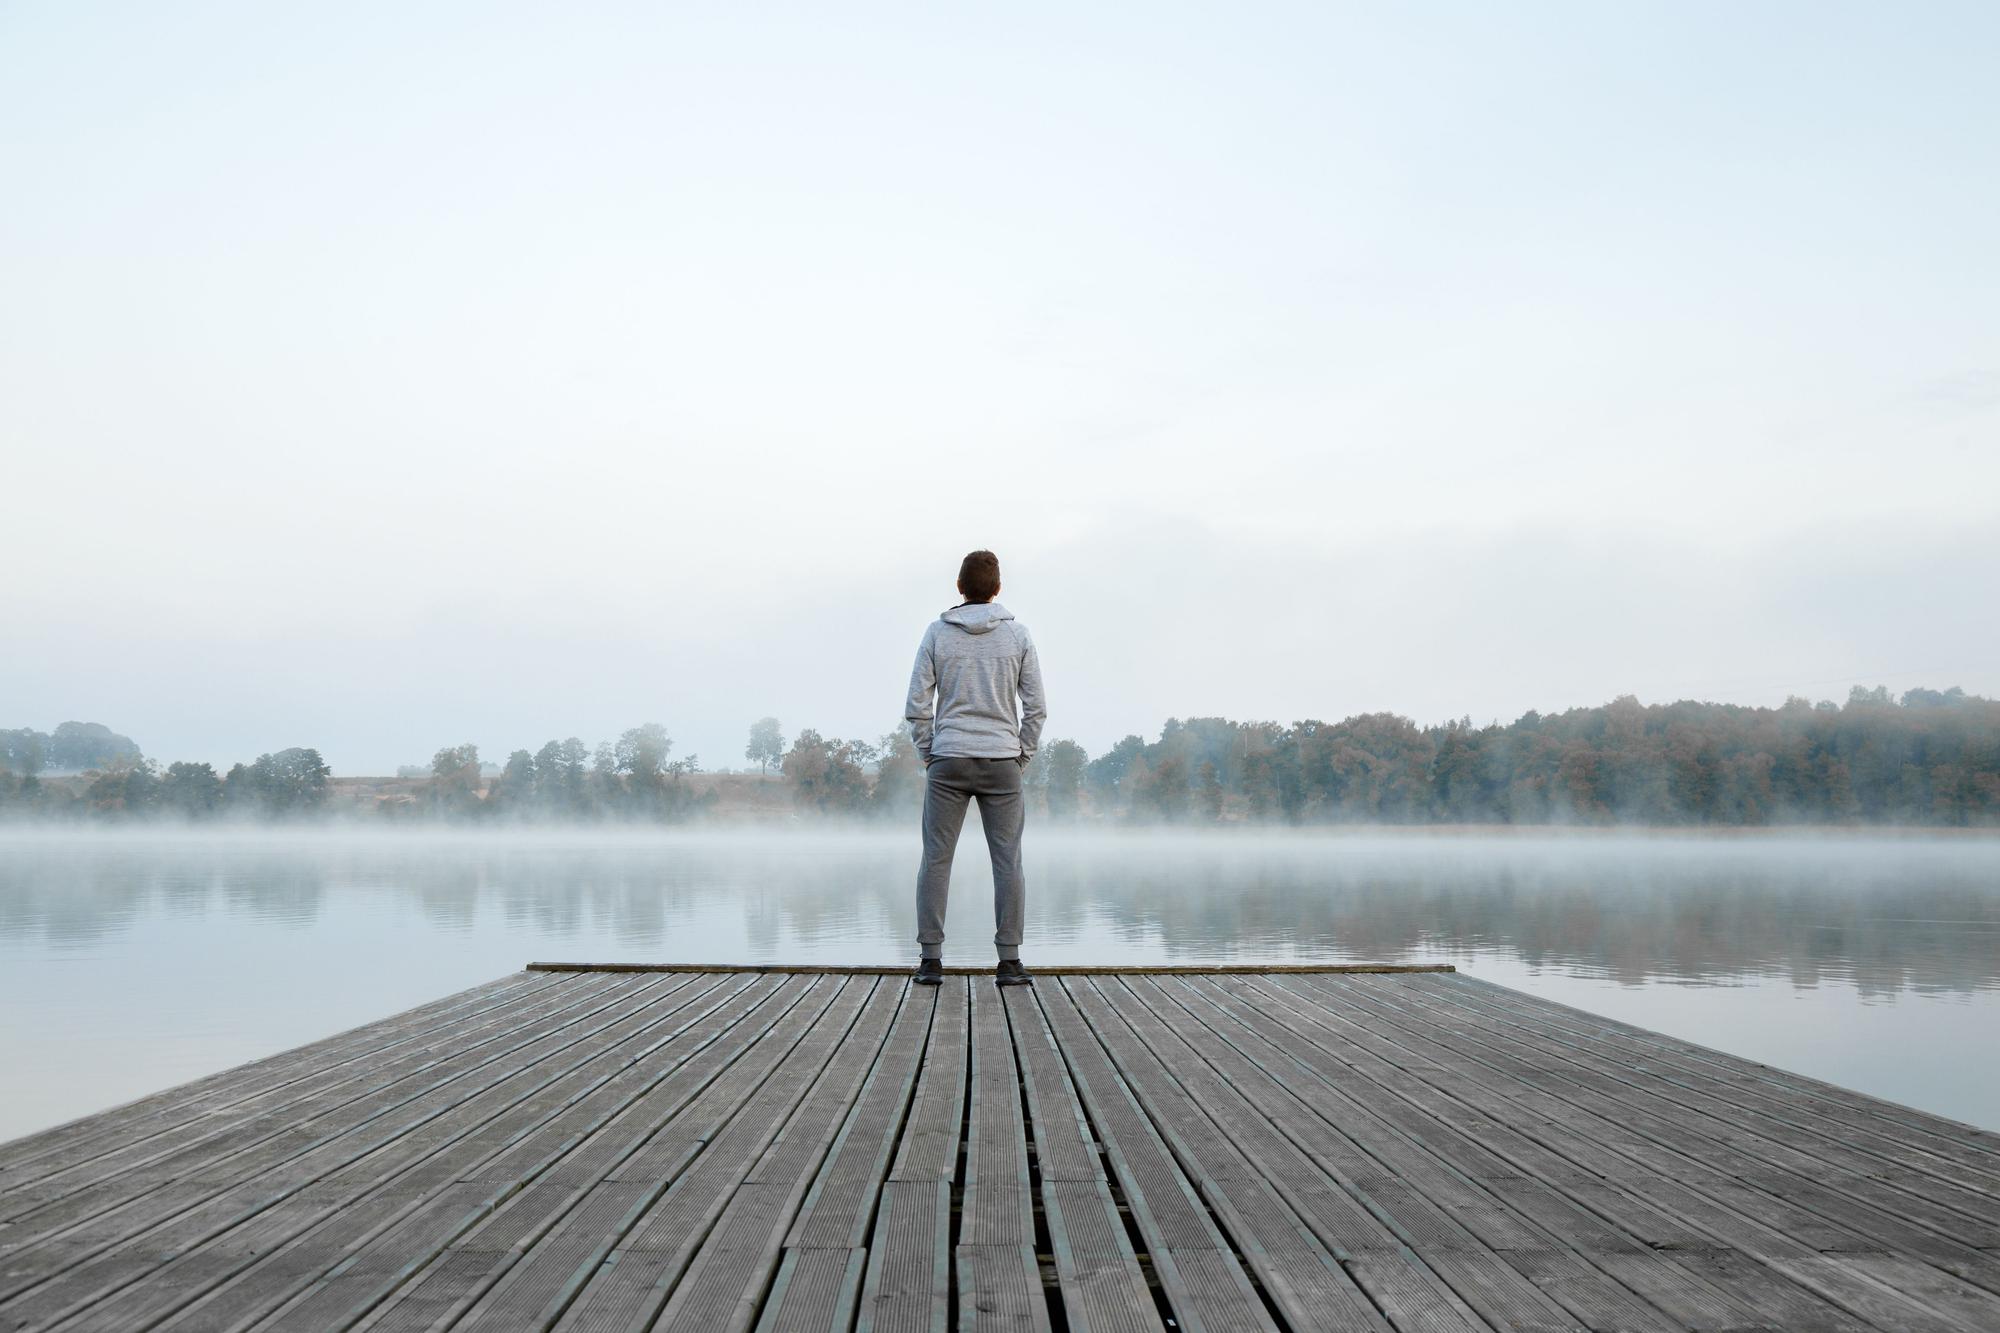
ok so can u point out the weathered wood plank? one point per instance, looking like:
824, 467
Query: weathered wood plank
1969, 1144
635, 1279
1952, 1224
821, 1273
929, 1149
556, 1218
348, 1262
1203, 1280
1591, 1213
1103, 1288
1276, 1201
1829, 1186
1924, 1165
27, 1159
818, 1285
541, 1234
1111, 1151
1719, 1207
1400, 1178
425, 1200
837, 1211
907, 1285
724, 1286
123, 1244
1722, 1208
1000, 1290
998, 1205
999, 1284
82, 1179
816, 1291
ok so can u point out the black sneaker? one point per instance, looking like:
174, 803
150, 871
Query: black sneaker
1011, 973
930, 972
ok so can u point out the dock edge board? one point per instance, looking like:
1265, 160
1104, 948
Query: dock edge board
1052, 969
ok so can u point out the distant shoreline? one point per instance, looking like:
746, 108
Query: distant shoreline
1929, 759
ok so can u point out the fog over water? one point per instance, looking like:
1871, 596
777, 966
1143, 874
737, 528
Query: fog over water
132, 961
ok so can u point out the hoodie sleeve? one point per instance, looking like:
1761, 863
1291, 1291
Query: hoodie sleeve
919, 707
1034, 706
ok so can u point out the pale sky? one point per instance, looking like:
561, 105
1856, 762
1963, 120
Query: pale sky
380, 377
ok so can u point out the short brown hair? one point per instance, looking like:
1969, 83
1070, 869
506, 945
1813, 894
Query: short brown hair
979, 576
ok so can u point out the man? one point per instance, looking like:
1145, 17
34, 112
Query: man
979, 665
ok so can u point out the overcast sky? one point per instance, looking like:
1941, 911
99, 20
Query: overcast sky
380, 377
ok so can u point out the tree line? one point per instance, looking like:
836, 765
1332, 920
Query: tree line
1930, 757
74, 747
630, 778
633, 777
286, 783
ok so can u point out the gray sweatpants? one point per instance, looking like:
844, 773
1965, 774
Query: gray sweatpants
948, 785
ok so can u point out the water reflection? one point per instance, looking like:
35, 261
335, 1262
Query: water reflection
1863, 959
1886, 914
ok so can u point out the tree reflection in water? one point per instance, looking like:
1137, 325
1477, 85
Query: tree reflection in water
132, 961
1883, 913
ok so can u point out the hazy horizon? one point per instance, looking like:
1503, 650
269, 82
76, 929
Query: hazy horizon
428, 377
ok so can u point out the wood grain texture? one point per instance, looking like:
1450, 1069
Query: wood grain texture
720, 1149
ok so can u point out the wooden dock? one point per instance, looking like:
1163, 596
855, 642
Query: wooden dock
1113, 1151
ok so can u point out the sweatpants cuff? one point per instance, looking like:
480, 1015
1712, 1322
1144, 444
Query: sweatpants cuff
931, 950
1010, 954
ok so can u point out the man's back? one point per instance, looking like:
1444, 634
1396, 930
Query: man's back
981, 665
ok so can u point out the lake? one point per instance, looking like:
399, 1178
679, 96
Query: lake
132, 960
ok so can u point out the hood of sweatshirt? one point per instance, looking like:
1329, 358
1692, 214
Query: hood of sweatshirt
978, 618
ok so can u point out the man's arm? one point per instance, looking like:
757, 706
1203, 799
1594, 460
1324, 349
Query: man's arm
919, 708
1034, 706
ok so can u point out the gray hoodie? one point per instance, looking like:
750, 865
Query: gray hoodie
980, 664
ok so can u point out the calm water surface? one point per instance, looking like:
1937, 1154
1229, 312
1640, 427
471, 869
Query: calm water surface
129, 962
